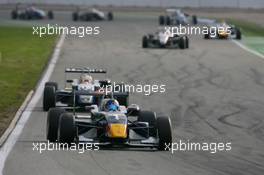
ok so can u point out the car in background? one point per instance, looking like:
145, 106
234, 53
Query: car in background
75, 90
223, 31
110, 124
30, 13
91, 15
177, 17
165, 39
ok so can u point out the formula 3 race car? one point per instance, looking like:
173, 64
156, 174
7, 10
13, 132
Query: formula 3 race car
31, 12
52, 96
92, 15
177, 17
110, 125
165, 39
223, 31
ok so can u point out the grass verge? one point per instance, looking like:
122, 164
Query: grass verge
23, 57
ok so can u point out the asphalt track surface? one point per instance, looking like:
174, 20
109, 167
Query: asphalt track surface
214, 94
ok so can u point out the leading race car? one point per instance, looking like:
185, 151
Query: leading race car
92, 15
165, 39
223, 31
31, 12
177, 17
110, 125
52, 96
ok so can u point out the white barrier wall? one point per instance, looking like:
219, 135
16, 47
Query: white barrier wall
155, 3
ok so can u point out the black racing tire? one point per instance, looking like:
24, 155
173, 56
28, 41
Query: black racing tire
14, 14
238, 34
168, 20
49, 98
110, 16
145, 42
164, 133
186, 42
75, 16
182, 43
52, 84
53, 123
150, 117
206, 36
194, 20
50, 14
161, 20
66, 129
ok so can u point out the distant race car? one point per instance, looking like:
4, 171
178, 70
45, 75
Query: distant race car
223, 31
52, 96
92, 15
110, 124
177, 17
165, 39
31, 12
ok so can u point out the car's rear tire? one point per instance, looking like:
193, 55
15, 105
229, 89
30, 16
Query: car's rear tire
238, 34
161, 20
67, 129
164, 133
50, 15
53, 123
110, 16
150, 117
194, 19
75, 16
49, 98
145, 42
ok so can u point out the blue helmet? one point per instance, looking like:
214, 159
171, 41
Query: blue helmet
112, 105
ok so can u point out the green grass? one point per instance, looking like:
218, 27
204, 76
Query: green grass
23, 57
248, 28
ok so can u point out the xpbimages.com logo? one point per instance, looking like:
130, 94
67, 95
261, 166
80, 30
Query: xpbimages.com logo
212, 147
79, 31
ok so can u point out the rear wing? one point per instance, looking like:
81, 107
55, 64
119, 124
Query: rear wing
84, 70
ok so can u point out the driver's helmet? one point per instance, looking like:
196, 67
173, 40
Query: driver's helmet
86, 79
111, 105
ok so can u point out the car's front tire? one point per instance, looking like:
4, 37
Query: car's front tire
49, 97
14, 14
66, 130
161, 20
164, 133
238, 34
53, 123
110, 16
145, 42
182, 43
75, 16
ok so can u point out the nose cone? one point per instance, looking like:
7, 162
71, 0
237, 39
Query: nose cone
163, 38
117, 130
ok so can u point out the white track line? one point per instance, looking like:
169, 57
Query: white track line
10, 142
248, 49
